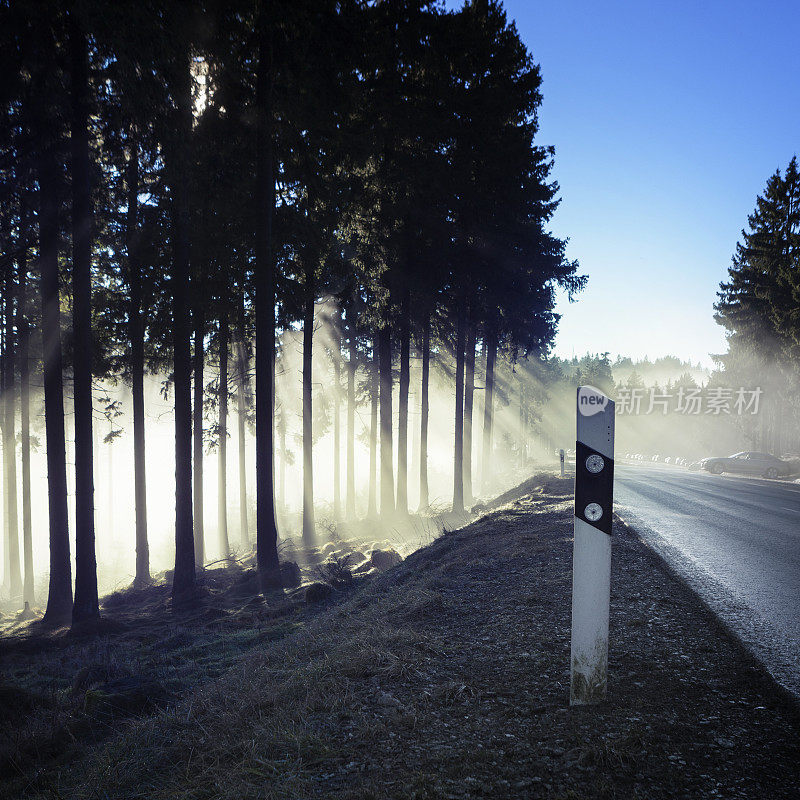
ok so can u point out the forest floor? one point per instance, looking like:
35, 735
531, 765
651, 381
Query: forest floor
445, 676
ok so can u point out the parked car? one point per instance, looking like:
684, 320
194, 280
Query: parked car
747, 463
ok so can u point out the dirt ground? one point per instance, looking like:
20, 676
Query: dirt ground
446, 676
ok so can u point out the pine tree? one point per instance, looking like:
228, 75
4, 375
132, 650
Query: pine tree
266, 527
760, 304
85, 608
178, 165
49, 177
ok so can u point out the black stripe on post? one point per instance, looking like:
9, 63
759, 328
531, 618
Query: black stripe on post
593, 487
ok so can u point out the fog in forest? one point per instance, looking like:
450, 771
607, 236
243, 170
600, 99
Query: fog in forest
533, 416
114, 460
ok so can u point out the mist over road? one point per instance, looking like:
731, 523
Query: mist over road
736, 541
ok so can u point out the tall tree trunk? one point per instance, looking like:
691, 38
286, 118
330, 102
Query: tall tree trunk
337, 415
85, 608
372, 502
458, 456
110, 506
522, 432
6, 585
136, 324
111, 486
282, 484
244, 528
266, 527
387, 472
308, 432
9, 439
526, 429
424, 500
402, 403
486, 459
198, 364
222, 471
25, 408
59, 595
27, 533
350, 502
184, 579
469, 391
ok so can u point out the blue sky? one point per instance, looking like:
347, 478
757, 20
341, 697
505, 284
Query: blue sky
667, 118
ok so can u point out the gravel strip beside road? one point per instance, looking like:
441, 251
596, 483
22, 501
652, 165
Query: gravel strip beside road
689, 713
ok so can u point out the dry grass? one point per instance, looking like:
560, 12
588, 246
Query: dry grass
442, 678
256, 711
267, 727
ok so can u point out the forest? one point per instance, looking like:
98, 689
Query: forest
288, 444
213, 211
269, 269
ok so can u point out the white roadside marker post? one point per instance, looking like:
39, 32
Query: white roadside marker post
561, 456
591, 554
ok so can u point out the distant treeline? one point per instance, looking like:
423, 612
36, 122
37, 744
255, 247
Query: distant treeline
624, 370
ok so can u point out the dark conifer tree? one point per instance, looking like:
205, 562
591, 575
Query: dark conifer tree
222, 432
198, 395
336, 356
458, 454
424, 499
242, 405
49, 174
7, 388
24, 332
372, 500
85, 608
490, 347
404, 382
266, 527
178, 165
758, 305
137, 367
469, 393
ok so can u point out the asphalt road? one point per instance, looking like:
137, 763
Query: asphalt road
736, 541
